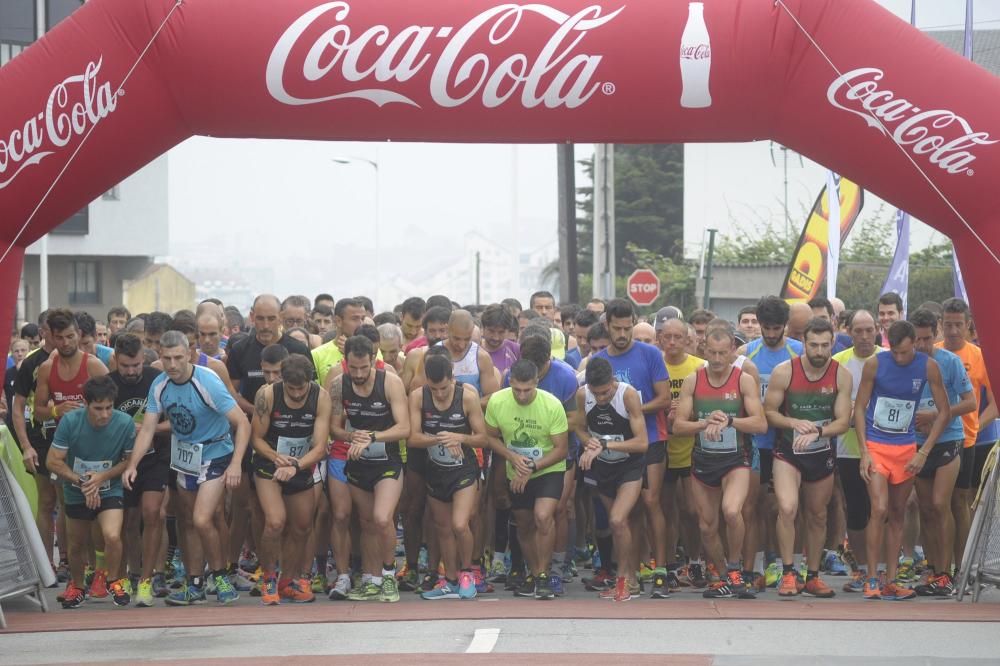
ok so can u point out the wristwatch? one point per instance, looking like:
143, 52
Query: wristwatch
372, 435
604, 444
730, 423
295, 463
532, 465
819, 429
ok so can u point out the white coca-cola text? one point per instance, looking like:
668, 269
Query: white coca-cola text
699, 52
60, 121
367, 60
944, 136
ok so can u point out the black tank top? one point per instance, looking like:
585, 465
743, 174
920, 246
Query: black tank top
292, 425
372, 413
450, 419
611, 423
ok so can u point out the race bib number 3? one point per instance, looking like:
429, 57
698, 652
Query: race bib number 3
440, 454
186, 457
294, 447
893, 415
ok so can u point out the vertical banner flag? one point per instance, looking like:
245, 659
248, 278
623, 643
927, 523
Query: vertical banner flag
898, 280
833, 235
956, 271
807, 270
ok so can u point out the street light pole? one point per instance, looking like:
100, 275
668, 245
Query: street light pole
347, 161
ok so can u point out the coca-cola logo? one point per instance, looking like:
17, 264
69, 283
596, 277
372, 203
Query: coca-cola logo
368, 60
60, 121
945, 137
699, 52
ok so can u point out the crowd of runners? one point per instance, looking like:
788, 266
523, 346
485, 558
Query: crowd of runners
319, 448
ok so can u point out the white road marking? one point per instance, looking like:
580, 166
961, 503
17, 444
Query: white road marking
483, 641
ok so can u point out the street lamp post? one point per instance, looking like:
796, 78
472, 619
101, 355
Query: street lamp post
347, 161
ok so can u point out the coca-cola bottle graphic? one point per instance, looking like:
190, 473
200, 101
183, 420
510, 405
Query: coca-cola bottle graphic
696, 60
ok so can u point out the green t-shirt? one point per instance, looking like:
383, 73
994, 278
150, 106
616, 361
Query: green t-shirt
93, 449
528, 429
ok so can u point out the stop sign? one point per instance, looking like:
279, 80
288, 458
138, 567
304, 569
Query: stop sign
643, 287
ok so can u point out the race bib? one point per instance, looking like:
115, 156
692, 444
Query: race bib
607, 455
926, 405
765, 380
294, 447
185, 457
821, 444
893, 415
440, 454
532, 452
83, 467
729, 442
375, 452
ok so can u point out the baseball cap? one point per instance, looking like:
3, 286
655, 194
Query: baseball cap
665, 313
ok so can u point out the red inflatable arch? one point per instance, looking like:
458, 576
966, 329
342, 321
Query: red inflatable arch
843, 81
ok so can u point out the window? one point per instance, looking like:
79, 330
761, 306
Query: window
17, 27
57, 10
77, 225
84, 282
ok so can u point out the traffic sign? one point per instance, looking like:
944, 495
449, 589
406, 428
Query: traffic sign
643, 287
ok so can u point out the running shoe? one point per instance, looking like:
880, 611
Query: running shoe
720, 590
696, 576
341, 588
527, 588
660, 590
160, 588
498, 572
740, 585
409, 579
210, 587
872, 589
622, 592
248, 560
365, 592
834, 565
569, 570
556, 583
119, 592
269, 592
673, 582
318, 583
645, 573
99, 585
856, 583
543, 587
611, 591
240, 582
712, 574
445, 590
427, 583
73, 596
144, 597
298, 591
943, 586
601, 580
466, 585
515, 579
482, 587
905, 571
896, 592
187, 595
789, 586
224, 590
925, 585
847, 557
759, 584
390, 590
773, 574
684, 576
815, 587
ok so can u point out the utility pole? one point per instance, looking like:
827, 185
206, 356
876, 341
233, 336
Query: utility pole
707, 296
478, 263
604, 221
569, 280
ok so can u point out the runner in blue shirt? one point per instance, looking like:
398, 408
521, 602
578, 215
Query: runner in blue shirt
202, 414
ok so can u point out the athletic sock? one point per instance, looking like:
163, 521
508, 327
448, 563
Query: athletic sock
788, 568
812, 574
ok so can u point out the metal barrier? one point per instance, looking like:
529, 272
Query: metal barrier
981, 564
18, 571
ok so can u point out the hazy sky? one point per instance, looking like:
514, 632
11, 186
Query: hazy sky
286, 204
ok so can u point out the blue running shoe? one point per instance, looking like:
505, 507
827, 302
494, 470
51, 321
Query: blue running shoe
443, 590
556, 583
834, 565
187, 595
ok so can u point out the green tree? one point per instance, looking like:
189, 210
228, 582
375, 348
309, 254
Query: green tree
872, 241
677, 278
759, 244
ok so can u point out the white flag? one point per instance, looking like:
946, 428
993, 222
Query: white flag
833, 241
